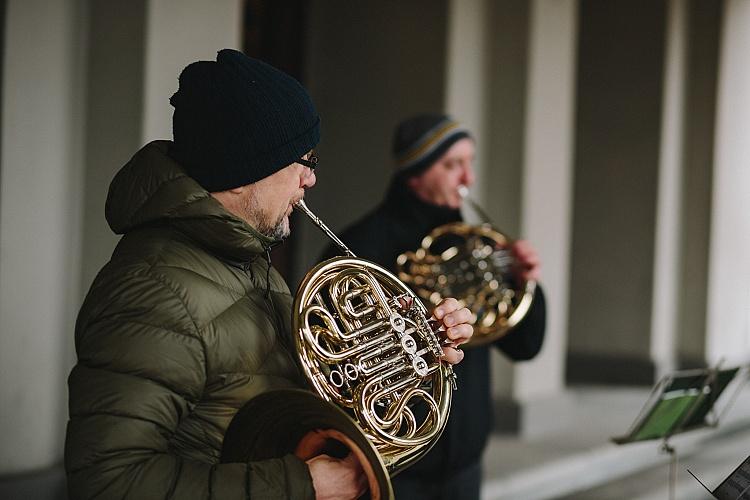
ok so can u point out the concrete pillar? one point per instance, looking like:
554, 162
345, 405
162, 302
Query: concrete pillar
506, 55
466, 75
114, 112
728, 315
667, 251
485, 83
546, 215
684, 192
699, 116
179, 32
479, 74
515, 91
77, 102
41, 185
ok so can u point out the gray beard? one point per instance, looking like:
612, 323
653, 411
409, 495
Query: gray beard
275, 230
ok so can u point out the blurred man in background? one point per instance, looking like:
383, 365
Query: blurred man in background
434, 158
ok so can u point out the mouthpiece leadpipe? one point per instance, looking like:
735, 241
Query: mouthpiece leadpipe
300, 205
463, 192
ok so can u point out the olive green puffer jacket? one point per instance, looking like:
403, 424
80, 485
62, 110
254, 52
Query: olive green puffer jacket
185, 324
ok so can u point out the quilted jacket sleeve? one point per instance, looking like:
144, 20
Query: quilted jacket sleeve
141, 368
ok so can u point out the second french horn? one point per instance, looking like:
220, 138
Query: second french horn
475, 264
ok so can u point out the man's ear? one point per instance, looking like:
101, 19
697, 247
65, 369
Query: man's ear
229, 197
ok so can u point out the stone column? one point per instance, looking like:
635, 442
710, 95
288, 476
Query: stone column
728, 314
546, 214
179, 32
667, 251
84, 85
137, 52
703, 27
40, 188
485, 82
114, 111
466, 73
515, 91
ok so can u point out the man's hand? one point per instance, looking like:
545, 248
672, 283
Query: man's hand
527, 260
337, 479
455, 319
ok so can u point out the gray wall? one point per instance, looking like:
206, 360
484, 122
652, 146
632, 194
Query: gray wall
507, 29
366, 69
504, 142
114, 110
75, 73
728, 308
85, 82
616, 165
704, 20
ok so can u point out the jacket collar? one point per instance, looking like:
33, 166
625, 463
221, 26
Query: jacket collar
424, 216
152, 189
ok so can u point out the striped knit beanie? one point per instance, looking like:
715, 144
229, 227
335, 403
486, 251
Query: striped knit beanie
421, 140
238, 120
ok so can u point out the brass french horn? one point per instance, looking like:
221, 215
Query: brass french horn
368, 350
474, 264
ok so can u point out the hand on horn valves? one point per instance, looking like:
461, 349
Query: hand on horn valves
456, 328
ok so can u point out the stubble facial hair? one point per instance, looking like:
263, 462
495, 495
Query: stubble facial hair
276, 230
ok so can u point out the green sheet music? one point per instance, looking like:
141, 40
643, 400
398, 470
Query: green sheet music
667, 415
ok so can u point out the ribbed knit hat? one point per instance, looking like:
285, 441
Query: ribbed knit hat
238, 120
421, 140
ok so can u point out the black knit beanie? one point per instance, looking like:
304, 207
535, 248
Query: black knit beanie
237, 120
421, 140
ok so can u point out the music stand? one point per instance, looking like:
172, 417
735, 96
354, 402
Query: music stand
679, 402
736, 486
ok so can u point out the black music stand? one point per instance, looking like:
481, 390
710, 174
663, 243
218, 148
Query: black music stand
736, 486
679, 402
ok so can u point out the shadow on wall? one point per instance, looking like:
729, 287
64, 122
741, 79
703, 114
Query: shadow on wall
45, 485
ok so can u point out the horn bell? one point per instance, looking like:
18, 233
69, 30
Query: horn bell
296, 421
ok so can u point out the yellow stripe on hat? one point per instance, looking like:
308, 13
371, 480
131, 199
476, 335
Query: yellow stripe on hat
427, 143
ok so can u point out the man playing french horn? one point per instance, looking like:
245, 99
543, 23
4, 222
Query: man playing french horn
434, 163
188, 321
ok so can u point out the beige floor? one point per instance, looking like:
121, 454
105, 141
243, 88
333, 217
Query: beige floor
577, 460
572, 459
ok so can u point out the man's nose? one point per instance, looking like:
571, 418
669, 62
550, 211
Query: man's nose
467, 179
308, 180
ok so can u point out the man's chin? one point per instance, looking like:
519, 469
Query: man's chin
454, 204
285, 228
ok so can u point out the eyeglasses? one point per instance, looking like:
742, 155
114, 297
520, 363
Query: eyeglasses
311, 162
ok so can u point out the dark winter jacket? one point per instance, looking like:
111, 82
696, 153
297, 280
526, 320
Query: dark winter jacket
185, 324
395, 226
